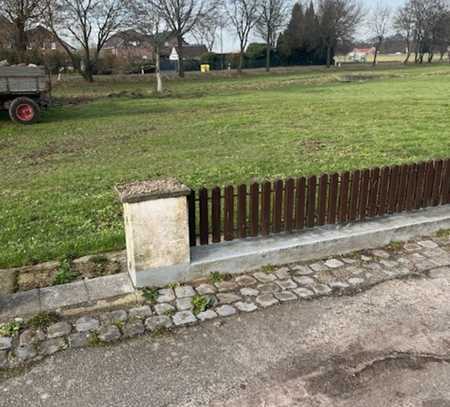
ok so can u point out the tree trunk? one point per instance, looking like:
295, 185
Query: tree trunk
241, 60
268, 51
159, 84
376, 54
328, 56
21, 39
87, 71
180, 56
408, 50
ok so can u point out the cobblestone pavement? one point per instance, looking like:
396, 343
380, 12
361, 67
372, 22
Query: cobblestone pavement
300, 353
206, 300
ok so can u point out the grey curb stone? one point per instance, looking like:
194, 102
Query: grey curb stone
5, 343
285, 296
65, 295
207, 315
109, 286
184, 291
85, 324
140, 312
245, 306
160, 321
184, 318
59, 329
266, 300
226, 310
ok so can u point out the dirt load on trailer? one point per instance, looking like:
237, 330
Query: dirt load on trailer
24, 91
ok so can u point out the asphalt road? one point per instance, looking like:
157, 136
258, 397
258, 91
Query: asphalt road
389, 346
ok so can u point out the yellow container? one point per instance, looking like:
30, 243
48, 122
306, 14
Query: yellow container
205, 68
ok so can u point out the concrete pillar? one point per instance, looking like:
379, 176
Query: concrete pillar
156, 228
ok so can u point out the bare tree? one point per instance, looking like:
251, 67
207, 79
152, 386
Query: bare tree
243, 16
272, 16
181, 16
207, 29
380, 22
87, 23
404, 23
147, 21
22, 13
339, 20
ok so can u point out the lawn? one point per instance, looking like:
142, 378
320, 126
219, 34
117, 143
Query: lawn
56, 189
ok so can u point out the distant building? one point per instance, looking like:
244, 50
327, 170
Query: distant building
6, 33
40, 38
132, 45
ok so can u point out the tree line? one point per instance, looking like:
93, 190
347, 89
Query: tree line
307, 32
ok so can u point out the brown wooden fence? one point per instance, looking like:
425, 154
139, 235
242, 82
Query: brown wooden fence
259, 209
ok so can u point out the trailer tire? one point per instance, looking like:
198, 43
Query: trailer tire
24, 110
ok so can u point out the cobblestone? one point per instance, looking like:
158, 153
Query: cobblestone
226, 310
266, 300
204, 289
249, 292
207, 315
286, 284
245, 306
140, 312
228, 298
285, 296
184, 291
245, 293
264, 277
165, 295
184, 318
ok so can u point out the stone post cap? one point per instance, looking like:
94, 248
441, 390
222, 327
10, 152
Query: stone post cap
141, 191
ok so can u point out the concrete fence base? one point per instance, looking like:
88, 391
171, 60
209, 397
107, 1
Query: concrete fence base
157, 236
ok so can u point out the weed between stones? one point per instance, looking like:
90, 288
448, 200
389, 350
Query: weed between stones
65, 273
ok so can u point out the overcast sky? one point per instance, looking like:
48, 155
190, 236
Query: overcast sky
230, 42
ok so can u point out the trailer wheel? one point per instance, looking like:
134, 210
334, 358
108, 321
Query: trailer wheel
24, 110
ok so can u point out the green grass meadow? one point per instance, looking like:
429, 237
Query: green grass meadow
57, 177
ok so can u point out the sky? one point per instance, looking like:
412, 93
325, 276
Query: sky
230, 43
